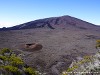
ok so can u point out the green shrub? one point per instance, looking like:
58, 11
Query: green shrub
30, 71
11, 68
98, 44
16, 60
5, 50
11, 64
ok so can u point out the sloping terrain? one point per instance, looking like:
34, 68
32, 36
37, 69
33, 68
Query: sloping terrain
55, 23
61, 44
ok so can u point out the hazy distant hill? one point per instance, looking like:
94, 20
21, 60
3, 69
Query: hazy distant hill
54, 23
63, 39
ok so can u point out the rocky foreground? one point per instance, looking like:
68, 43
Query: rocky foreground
87, 65
50, 45
13, 64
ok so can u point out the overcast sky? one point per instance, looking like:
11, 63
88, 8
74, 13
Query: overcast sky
14, 12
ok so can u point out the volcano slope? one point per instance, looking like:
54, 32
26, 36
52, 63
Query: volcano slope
63, 39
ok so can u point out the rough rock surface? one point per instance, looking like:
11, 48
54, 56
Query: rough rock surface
71, 38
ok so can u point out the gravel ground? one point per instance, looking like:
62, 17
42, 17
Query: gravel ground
59, 45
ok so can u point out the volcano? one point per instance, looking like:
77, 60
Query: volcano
63, 39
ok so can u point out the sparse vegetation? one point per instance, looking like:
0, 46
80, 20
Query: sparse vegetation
98, 44
11, 64
89, 64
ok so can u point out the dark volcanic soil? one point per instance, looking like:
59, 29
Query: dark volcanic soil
63, 39
59, 45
